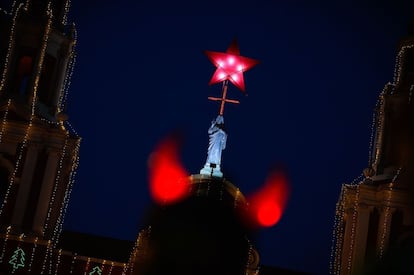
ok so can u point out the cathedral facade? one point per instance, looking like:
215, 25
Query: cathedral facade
374, 231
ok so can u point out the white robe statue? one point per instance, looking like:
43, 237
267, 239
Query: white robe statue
217, 144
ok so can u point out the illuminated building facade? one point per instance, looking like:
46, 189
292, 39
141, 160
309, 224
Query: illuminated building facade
374, 231
38, 148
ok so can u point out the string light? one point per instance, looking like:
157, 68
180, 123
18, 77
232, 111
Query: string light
32, 256
111, 268
337, 240
9, 49
3, 251
63, 208
68, 77
72, 265
4, 120
387, 210
55, 187
65, 14
58, 261
45, 260
399, 64
87, 265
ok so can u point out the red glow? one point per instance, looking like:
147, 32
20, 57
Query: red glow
232, 69
269, 213
268, 204
167, 177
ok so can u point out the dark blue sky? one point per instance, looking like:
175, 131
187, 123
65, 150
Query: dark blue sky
141, 73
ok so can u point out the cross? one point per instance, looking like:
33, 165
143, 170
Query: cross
223, 98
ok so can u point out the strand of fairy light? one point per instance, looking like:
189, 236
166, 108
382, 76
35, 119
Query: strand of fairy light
29, 270
387, 213
50, 259
72, 264
26, 5
87, 265
354, 217
377, 125
102, 267
46, 258
339, 221
58, 261
5, 12
4, 121
399, 65
68, 192
56, 185
68, 78
249, 257
111, 268
72, 129
12, 7
3, 251
9, 49
65, 14
337, 234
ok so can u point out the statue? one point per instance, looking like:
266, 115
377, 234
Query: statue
217, 144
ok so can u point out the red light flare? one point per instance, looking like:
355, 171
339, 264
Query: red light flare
266, 206
168, 179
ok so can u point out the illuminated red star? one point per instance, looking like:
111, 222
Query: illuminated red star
230, 66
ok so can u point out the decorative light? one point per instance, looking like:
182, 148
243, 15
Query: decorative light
111, 268
4, 120
399, 64
3, 251
9, 49
68, 78
72, 265
55, 187
32, 256
87, 265
233, 68
63, 208
58, 261
65, 14
96, 271
18, 259
48, 254
387, 210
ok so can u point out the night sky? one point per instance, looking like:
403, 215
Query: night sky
141, 74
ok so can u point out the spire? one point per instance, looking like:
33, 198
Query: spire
394, 126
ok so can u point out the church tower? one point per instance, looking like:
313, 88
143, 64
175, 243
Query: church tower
374, 230
38, 153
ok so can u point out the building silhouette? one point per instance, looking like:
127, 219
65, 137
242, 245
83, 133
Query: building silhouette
374, 231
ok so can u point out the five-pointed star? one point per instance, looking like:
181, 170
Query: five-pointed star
230, 66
